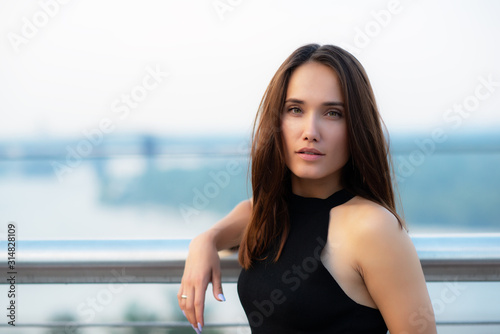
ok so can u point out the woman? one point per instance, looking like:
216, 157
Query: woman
321, 245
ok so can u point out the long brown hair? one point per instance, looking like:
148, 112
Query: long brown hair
367, 173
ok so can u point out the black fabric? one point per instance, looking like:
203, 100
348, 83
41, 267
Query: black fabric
298, 294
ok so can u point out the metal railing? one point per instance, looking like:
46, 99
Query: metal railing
457, 257
462, 257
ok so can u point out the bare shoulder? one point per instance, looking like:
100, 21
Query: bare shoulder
373, 234
362, 217
371, 230
382, 253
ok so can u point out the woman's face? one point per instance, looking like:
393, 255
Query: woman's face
314, 130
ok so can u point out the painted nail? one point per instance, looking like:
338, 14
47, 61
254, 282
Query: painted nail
195, 329
199, 327
184, 313
221, 297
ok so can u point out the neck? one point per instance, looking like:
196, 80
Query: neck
319, 188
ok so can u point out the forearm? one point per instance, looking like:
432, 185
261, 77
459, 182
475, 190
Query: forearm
227, 233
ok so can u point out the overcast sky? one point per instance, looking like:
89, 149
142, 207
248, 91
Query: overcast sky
73, 66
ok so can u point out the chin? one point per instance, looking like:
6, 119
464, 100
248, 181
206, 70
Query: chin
316, 174
310, 175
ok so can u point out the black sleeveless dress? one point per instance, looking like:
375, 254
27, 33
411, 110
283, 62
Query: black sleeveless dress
298, 294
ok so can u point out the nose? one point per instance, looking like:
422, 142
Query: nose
311, 128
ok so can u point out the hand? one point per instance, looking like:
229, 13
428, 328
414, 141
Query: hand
202, 267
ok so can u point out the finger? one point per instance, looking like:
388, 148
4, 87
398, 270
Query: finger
187, 304
199, 305
217, 285
179, 299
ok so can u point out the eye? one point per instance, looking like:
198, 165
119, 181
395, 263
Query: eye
294, 110
334, 113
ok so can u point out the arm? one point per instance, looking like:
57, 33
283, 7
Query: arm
390, 267
227, 233
203, 263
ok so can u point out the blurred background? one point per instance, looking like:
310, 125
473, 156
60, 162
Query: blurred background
132, 120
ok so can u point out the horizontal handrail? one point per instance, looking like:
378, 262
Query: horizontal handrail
185, 324
444, 257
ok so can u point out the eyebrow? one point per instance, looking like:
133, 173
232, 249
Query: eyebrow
328, 104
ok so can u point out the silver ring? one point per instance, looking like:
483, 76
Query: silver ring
184, 297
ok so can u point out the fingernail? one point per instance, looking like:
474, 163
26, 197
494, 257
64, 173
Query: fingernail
184, 313
199, 327
221, 297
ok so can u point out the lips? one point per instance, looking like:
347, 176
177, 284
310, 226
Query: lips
310, 154
309, 151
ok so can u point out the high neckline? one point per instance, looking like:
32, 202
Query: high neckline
299, 203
